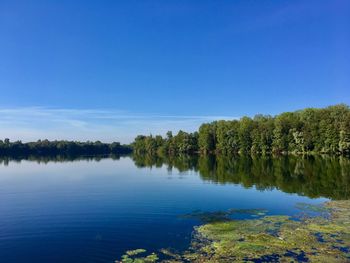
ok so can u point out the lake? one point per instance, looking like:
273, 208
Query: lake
95, 209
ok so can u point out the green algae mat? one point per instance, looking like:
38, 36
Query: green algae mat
321, 238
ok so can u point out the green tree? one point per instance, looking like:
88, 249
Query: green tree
206, 138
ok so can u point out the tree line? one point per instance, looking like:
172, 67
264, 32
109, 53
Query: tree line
325, 130
66, 148
311, 130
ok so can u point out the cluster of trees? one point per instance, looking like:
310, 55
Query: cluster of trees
325, 130
182, 142
67, 148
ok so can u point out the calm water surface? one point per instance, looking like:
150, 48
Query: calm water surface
94, 210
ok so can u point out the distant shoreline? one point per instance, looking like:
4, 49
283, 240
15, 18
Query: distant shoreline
304, 132
68, 148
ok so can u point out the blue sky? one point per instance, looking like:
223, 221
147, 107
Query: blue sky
109, 70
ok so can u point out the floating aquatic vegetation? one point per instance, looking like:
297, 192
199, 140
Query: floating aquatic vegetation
135, 252
267, 239
319, 208
133, 256
278, 237
216, 216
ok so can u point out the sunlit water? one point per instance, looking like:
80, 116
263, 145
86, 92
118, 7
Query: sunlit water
93, 211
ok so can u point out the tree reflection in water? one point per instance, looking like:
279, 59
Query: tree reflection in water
312, 176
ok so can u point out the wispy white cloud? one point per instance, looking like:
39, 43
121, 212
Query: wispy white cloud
33, 123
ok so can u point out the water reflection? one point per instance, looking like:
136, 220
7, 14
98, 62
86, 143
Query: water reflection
5, 160
312, 176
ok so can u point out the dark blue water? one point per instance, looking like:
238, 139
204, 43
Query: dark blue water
92, 211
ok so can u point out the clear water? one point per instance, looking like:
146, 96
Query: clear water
94, 210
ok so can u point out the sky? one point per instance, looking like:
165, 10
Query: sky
109, 70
